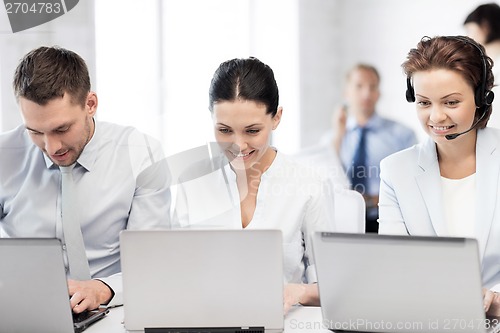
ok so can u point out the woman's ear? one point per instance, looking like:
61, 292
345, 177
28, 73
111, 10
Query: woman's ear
277, 117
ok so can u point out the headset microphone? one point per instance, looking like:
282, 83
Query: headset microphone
456, 135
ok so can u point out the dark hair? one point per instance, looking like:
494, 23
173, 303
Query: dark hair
49, 72
457, 53
487, 15
364, 67
247, 79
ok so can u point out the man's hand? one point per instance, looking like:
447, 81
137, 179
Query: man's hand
339, 120
88, 295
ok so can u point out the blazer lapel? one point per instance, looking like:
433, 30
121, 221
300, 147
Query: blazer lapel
487, 177
428, 182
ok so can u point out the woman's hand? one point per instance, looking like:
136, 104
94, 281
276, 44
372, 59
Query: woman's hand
296, 293
491, 301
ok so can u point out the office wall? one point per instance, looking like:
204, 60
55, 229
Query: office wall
323, 38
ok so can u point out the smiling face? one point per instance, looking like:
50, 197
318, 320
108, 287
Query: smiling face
60, 128
445, 104
243, 129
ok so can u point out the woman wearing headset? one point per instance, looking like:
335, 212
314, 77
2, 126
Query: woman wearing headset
449, 185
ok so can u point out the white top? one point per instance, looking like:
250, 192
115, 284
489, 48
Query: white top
460, 205
291, 198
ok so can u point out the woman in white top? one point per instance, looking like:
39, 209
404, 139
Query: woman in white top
258, 187
449, 184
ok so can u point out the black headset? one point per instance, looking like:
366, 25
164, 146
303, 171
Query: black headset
482, 97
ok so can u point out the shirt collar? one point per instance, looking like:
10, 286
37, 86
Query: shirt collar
89, 154
374, 122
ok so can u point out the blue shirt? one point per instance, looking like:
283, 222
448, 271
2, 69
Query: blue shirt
121, 184
383, 137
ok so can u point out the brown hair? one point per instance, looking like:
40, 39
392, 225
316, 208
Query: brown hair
49, 72
456, 53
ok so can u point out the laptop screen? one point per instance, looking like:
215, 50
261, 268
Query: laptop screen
33, 288
378, 283
202, 278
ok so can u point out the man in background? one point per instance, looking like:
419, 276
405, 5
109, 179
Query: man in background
362, 138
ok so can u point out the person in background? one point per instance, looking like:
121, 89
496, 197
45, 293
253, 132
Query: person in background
449, 185
362, 138
483, 25
266, 189
119, 179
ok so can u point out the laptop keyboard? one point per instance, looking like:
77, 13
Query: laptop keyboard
79, 317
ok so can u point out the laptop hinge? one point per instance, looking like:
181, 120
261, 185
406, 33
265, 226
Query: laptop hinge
253, 329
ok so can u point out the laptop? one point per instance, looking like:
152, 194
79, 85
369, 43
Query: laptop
34, 291
208, 280
379, 283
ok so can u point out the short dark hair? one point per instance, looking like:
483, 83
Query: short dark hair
247, 79
49, 72
489, 15
456, 53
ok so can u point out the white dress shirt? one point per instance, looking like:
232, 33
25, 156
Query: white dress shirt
291, 198
121, 183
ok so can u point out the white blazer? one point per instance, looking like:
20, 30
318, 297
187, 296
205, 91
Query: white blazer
411, 199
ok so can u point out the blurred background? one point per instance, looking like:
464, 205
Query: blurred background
151, 61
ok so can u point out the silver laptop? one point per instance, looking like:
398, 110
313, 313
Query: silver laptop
378, 283
202, 280
34, 291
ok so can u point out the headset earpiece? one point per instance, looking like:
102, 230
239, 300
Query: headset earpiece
483, 97
489, 97
410, 93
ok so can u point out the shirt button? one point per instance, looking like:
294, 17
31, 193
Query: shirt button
64, 247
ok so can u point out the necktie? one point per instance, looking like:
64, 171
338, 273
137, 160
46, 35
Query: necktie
75, 249
359, 170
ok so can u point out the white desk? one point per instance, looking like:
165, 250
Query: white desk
299, 319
